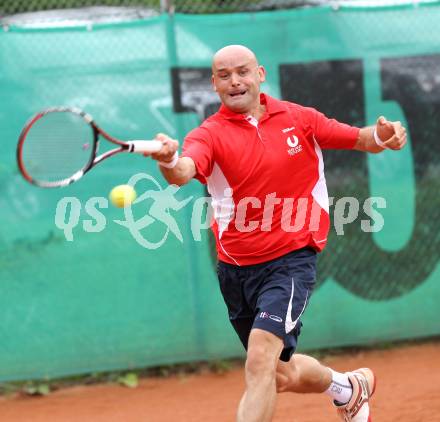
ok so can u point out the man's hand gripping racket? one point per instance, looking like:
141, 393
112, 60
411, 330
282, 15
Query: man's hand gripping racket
60, 145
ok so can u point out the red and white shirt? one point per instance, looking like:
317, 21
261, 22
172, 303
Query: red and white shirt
266, 178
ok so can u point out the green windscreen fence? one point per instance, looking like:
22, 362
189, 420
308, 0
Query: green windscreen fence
87, 287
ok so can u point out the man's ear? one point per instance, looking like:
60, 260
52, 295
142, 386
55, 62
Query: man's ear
213, 83
262, 73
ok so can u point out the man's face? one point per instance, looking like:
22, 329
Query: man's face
236, 79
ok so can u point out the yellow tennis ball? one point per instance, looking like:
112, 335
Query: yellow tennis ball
123, 195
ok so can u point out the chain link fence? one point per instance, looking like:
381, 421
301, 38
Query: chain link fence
9, 7
182, 6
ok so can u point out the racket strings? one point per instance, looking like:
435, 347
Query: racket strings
57, 146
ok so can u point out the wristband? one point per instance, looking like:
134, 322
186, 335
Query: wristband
378, 141
170, 164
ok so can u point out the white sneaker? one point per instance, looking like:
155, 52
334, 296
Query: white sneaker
357, 409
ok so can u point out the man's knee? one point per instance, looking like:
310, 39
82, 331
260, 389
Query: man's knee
259, 361
302, 374
264, 349
286, 376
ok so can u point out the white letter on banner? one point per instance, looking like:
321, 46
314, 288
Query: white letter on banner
269, 204
240, 216
98, 216
377, 217
339, 218
73, 219
300, 217
196, 218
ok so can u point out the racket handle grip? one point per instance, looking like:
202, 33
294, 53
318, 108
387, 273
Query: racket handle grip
144, 147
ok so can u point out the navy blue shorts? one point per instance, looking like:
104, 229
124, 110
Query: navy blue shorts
271, 296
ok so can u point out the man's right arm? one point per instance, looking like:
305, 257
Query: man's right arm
182, 173
177, 172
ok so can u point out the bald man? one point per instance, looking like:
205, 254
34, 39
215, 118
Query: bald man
262, 162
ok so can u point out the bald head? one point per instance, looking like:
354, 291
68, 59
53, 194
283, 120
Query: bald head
236, 77
233, 55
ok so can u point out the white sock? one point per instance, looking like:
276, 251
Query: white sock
340, 388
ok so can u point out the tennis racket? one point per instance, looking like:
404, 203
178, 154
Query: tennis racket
59, 145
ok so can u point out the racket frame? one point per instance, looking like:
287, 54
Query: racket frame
137, 146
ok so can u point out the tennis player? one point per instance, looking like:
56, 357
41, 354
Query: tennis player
262, 162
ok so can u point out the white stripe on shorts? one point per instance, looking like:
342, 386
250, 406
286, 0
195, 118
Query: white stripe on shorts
289, 324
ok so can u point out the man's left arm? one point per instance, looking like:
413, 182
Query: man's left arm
385, 135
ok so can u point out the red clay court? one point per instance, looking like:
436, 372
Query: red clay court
408, 391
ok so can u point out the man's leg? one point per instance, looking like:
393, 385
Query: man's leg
258, 401
303, 374
351, 391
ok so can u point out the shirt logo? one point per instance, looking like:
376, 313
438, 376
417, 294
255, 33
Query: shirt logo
295, 147
292, 141
288, 129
